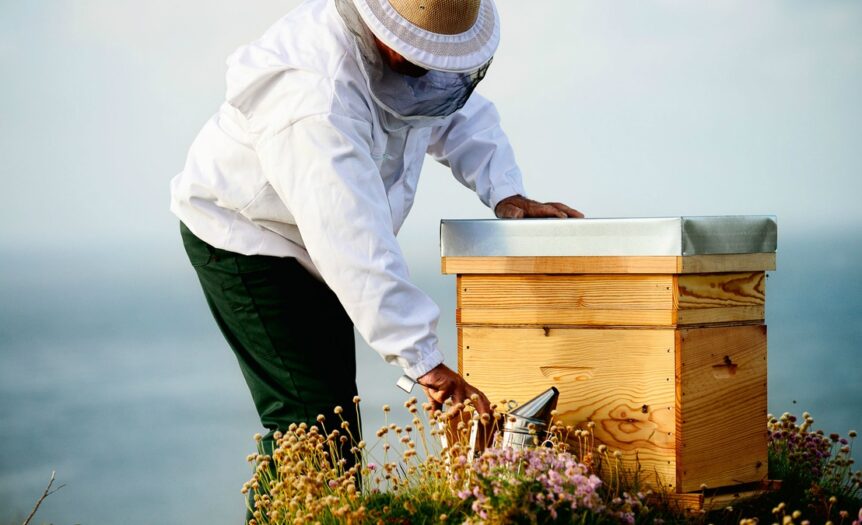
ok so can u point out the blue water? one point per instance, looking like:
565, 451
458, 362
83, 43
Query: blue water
113, 374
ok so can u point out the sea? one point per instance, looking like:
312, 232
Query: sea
113, 375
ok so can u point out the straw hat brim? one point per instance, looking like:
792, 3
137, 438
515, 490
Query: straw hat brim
458, 53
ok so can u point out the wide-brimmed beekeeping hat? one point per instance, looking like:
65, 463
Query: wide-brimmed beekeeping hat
445, 35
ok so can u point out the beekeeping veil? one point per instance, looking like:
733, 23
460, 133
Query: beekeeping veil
453, 39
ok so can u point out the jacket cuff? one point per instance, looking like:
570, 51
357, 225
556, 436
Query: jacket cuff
425, 365
501, 191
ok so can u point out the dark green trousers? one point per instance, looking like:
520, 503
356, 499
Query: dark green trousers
292, 339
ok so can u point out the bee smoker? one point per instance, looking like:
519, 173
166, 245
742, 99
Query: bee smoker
522, 425
530, 422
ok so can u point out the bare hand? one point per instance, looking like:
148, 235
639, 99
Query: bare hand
519, 207
441, 383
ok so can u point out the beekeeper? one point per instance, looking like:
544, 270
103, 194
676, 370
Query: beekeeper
294, 191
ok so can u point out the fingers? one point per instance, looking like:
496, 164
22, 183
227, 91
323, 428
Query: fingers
509, 211
518, 206
539, 210
460, 393
476, 397
433, 398
441, 384
482, 404
570, 212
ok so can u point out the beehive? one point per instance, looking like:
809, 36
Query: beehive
651, 328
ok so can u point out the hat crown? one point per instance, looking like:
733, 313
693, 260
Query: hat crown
445, 17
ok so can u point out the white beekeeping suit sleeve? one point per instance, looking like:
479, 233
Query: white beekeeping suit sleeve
477, 150
320, 165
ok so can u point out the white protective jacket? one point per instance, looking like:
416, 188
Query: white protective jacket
300, 162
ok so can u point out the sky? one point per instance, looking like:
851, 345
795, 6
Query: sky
620, 109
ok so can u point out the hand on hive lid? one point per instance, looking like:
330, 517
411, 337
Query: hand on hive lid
520, 207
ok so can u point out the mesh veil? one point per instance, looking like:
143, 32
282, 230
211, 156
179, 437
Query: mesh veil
434, 95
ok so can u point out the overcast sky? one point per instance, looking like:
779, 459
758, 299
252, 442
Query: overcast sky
630, 108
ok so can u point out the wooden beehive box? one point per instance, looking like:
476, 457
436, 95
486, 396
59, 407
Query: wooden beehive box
651, 328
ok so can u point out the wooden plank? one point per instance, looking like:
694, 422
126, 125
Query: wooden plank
721, 406
692, 502
714, 290
568, 316
731, 314
748, 262
744, 262
585, 300
460, 351
709, 499
566, 291
559, 265
721, 501
602, 291
717, 500
611, 300
620, 379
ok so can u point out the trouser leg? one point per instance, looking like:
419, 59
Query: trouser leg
291, 337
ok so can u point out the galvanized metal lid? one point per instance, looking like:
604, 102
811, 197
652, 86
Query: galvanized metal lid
664, 236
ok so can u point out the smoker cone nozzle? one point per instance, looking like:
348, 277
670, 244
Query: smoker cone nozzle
540, 407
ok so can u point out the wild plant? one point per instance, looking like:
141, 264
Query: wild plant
811, 459
445, 466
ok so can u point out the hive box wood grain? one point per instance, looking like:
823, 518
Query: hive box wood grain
611, 299
665, 352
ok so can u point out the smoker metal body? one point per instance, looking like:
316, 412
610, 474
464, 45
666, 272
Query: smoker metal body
526, 426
